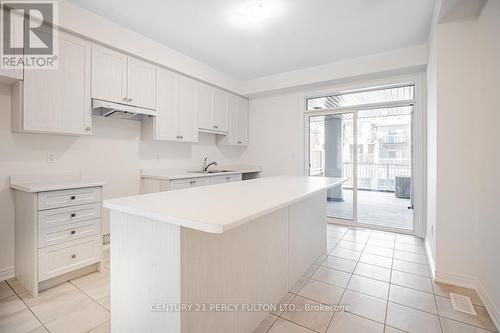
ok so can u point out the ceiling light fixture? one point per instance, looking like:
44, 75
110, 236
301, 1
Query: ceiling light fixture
254, 12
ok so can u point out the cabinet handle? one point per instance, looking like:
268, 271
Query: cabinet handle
239, 142
215, 126
73, 232
130, 99
125, 99
181, 137
73, 214
73, 256
88, 128
73, 197
228, 178
193, 182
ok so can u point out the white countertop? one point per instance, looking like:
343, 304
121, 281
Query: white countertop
51, 182
184, 174
219, 208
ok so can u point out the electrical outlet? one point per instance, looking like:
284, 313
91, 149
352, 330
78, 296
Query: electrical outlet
51, 157
432, 230
106, 239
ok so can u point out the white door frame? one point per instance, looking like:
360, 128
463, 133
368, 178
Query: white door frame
418, 131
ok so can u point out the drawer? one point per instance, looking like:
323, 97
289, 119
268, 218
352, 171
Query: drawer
66, 257
68, 232
199, 182
65, 198
225, 179
68, 215
234, 178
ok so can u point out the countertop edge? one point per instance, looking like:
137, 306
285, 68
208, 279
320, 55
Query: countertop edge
47, 188
209, 227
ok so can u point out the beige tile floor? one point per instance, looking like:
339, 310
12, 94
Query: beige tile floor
79, 305
382, 277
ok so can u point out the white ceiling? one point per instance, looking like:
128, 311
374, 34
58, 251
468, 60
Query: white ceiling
296, 33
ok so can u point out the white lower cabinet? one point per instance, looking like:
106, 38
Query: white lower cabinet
151, 185
56, 233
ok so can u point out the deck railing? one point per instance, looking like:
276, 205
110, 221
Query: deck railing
376, 176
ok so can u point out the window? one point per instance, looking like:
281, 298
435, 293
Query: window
354, 98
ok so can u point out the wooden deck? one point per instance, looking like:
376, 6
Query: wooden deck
377, 208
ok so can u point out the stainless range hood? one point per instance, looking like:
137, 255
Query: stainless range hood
120, 111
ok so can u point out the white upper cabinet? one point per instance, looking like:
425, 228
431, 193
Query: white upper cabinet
56, 101
109, 74
205, 106
238, 122
167, 106
188, 115
212, 107
141, 77
176, 104
119, 78
16, 40
221, 106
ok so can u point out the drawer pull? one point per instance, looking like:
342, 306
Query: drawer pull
73, 197
73, 256
73, 232
239, 142
73, 214
228, 178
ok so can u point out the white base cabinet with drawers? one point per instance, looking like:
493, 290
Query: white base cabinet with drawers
57, 233
152, 185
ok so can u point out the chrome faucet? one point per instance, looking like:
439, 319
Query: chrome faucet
205, 166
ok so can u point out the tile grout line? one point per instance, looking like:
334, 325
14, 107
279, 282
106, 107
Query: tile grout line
390, 280
350, 277
22, 300
93, 300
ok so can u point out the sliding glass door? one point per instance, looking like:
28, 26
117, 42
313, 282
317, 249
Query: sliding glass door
384, 167
331, 141
371, 145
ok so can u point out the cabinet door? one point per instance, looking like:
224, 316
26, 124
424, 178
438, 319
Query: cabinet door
16, 40
221, 104
242, 123
167, 105
58, 101
205, 105
141, 82
197, 182
188, 114
109, 74
233, 111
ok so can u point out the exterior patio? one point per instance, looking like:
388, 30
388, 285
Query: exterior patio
376, 208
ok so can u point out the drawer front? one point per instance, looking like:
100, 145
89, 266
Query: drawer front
66, 198
234, 178
68, 232
196, 182
62, 258
68, 215
217, 180
179, 184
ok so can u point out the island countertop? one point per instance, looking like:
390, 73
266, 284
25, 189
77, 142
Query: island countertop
222, 207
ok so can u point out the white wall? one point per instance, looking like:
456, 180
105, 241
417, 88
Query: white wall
463, 173
114, 153
488, 273
457, 131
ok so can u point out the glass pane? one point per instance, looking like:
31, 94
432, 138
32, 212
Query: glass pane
384, 167
331, 155
383, 95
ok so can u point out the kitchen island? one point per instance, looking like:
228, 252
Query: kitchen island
189, 260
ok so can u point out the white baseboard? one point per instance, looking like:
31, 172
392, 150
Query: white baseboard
458, 280
493, 311
430, 259
6, 273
